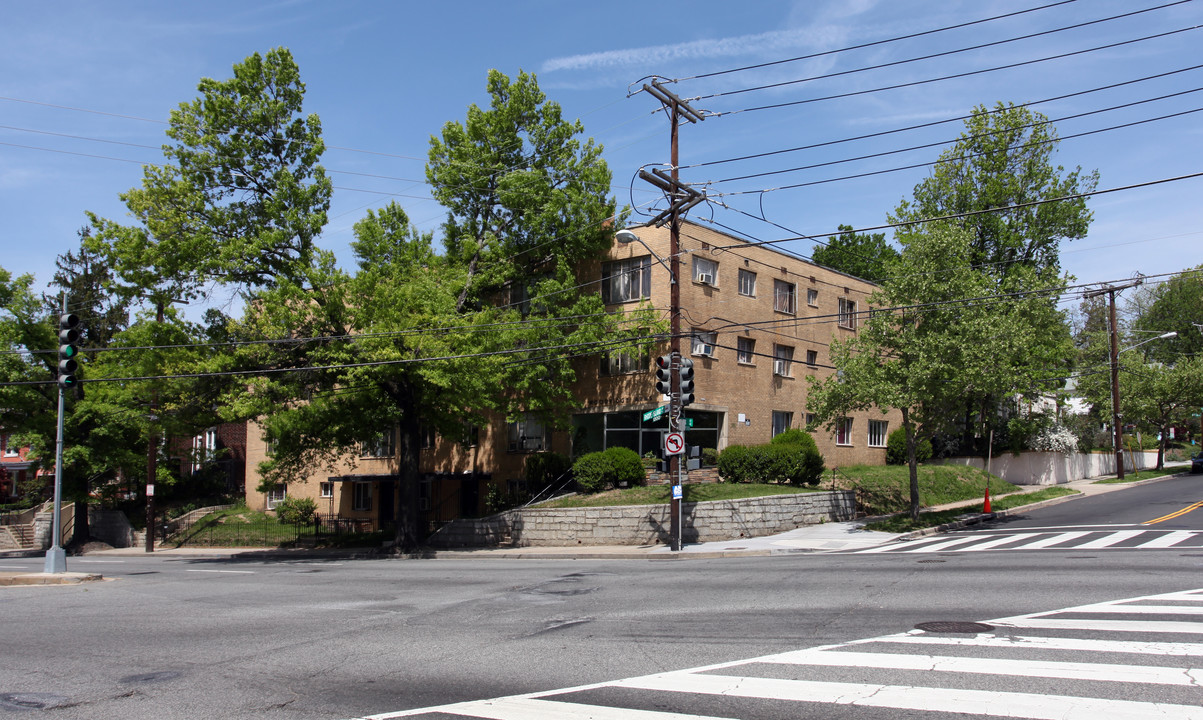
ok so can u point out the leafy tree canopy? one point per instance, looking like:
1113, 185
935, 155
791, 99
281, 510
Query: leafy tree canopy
866, 256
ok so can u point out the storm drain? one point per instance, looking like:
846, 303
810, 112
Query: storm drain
953, 626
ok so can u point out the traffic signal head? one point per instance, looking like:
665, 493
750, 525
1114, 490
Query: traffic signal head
686, 381
664, 374
68, 335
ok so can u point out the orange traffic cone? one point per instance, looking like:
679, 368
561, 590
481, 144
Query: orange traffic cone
986, 505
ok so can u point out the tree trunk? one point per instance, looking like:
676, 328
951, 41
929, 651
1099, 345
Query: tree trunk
912, 462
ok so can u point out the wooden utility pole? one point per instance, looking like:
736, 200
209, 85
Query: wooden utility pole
1116, 415
681, 198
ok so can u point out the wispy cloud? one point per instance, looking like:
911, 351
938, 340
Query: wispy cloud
771, 42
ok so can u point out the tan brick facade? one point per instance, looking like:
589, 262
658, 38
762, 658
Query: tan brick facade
773, 317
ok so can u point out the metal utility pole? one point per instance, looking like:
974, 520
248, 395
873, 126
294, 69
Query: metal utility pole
56, 557
681, 198
152, 454
1116, 415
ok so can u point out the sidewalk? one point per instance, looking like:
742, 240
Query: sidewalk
825, 537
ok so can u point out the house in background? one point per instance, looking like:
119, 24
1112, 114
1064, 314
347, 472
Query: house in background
758, 320
16, 470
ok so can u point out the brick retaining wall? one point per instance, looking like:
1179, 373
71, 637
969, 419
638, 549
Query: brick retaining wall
647, 524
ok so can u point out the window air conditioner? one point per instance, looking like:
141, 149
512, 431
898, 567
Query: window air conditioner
780, 367
706, 278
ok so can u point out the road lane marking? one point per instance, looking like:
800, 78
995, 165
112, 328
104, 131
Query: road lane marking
991, 666
1109, 540
526, 708
1169, 539
1050, 540
1049, 643
1003, 540
241, 572
1179, 513
902, 697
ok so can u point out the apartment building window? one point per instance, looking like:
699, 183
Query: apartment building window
747, 283
470, 436
812, 357
746, 351
704, 342
847, 313
276, 495
622, 362
383, 445
783, 357
626, 280
327, 489
812, 297
527, 434
705, 270
429, 437
362, 499
785, 297
877, 433
843, 431
810, 420
782, 421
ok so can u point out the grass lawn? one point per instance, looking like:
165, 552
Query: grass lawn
240, 527
884, 489
903, 523
659, 494
1142, 475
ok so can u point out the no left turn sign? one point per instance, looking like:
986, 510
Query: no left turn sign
674, 443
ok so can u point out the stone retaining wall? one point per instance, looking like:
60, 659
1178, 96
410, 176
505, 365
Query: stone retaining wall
647, 524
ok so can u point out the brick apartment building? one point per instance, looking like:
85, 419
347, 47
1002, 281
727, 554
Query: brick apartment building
759, 321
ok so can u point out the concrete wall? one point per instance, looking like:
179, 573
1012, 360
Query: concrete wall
1044, 468
647, 524
112, 527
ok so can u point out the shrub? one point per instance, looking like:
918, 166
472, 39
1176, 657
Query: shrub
599, 471
896, 448
775, 462
732, 463
293, 511
542, 469
709, 457
795, 436
1055, 438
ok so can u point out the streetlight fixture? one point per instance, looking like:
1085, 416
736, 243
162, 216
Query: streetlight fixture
1115, 413
626, 237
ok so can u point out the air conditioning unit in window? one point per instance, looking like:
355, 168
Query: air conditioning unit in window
781, 367
706, 278
707, 350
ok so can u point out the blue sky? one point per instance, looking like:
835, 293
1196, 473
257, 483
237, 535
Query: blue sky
385, 76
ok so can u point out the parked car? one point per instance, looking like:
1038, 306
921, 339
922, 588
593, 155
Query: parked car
1196, 463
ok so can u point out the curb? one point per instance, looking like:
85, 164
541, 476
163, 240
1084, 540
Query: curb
48, 579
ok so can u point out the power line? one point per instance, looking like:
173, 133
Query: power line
945, 53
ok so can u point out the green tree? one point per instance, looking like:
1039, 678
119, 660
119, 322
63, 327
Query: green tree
1177, 306
1158, 396
477, 329
941, 336
864, 255
1000, 173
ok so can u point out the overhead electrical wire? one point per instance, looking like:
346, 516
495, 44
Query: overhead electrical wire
933, 56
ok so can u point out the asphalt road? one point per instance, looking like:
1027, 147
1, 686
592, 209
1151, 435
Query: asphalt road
186, 638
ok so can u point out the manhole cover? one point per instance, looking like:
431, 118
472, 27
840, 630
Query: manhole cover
953, 626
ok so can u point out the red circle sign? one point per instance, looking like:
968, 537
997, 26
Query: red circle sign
674, 443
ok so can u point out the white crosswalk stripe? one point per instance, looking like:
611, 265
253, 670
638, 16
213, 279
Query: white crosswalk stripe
1081, 667
1136, 539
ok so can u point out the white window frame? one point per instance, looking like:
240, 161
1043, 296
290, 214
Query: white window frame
843, 431
847, 317
623, 362
276, 495
527, 434
878, 433
327, 489
9, 450
745, 352
703, 342
625, 281
747, 283
361, 499
705, 271
783, 360
383, 445
785, 297
812, 297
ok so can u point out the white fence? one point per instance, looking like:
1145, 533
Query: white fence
1047, 468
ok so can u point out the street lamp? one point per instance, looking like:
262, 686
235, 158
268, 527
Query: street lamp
626, 237
1115, 413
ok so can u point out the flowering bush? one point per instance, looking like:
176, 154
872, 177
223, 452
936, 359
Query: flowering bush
1056, 438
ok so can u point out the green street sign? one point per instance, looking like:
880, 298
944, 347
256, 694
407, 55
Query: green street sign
655, 413
688, 422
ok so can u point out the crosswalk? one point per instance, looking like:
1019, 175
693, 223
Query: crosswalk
1129, 659
1094, 538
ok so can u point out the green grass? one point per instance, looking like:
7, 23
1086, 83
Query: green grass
1142, 475
659, 494
240, 527
885, 489
903, 523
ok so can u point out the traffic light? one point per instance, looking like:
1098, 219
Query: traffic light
686, 381
68, 335
664, 374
